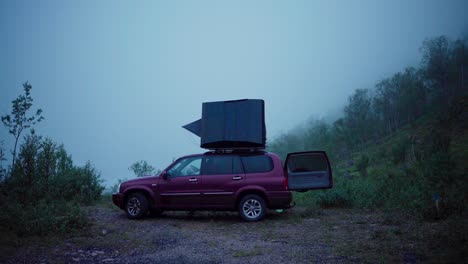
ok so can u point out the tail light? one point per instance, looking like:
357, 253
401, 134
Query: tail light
285, 183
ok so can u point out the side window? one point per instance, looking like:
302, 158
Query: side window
257, 164
186, 167
237, 165
222, 165
218, 165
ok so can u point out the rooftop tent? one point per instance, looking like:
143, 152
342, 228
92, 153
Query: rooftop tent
231, 124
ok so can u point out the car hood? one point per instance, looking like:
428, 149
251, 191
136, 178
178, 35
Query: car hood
140, 180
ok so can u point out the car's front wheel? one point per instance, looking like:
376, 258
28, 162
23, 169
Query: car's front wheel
252, 208
136, 205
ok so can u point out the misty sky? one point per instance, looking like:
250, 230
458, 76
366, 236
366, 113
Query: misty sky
117, 80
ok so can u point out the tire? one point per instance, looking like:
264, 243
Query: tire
252, 208
136, 205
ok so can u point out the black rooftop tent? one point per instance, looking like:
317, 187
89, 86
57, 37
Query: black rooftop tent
231, 124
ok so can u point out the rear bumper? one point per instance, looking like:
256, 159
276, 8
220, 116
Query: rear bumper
117, 199
279, 199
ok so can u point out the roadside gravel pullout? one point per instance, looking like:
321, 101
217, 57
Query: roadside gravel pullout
296, 236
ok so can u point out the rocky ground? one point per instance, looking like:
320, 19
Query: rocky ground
297, 236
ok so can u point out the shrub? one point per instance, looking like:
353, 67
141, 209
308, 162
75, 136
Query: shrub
336, 197
42, 218
81, 184
45, 190
333, 198
362, 163
399, 150
115, 188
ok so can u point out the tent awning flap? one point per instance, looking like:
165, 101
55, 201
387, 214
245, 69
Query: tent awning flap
194, 127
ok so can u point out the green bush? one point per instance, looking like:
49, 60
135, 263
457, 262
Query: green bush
43, 217
81, 184
333, 198
399, 150
362, 164
44, 190
442, 178
387, 187
115, 188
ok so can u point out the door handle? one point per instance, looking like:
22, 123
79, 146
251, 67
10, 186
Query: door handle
193, 180
236, 178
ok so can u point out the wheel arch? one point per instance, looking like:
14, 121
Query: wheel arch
139, 189
251, 190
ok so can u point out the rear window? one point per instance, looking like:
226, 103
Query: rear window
257, 164
307, 162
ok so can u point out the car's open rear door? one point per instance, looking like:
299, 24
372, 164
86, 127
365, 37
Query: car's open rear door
308, 170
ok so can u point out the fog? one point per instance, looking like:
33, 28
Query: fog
117, 80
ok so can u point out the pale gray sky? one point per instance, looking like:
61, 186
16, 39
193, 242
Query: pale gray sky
118, 79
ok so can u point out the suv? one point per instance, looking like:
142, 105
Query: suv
249, 182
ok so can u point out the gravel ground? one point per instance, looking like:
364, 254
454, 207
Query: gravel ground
296, 236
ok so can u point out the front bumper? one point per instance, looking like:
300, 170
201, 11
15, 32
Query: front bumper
118, 199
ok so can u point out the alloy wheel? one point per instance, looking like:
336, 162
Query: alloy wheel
252, 208
133, 206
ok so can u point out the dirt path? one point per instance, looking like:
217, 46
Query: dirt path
298, 236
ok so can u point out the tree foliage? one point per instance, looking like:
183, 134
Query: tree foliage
397, 101
45, 184
423, 162
3, 171
44, 187
142, 168
19, 120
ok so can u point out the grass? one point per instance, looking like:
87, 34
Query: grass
106, 202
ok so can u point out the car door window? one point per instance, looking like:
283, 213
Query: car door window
186, 167
219, 165
257, 164
237, 165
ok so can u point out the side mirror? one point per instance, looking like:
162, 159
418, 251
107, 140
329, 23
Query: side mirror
164, 175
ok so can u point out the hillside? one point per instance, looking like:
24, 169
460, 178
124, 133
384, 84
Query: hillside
400, 145
403, 171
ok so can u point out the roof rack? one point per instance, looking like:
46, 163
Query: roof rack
235, 150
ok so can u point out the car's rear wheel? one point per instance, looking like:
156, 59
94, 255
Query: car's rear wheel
136, 205
252, 208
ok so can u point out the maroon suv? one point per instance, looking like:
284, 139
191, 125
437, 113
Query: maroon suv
247, 181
